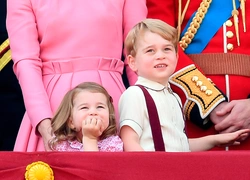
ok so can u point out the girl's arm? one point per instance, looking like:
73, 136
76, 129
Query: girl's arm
208, 142
89, 144
92, 129
130, 139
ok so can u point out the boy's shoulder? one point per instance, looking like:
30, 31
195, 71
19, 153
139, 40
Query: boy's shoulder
133, 93
133, 90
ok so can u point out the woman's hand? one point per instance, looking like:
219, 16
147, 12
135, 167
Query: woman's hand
45, 130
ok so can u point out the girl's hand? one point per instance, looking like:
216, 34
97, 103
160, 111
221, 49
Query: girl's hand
92, 128
233, 138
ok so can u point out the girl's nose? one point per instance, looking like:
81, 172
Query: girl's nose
92, 111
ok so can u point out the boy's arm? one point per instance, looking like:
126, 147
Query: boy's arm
130, 139
132, 111
202, 144
208, 142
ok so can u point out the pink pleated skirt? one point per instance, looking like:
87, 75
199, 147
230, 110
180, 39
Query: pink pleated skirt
61, 76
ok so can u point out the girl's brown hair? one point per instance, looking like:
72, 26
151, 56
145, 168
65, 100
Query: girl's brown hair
60, 127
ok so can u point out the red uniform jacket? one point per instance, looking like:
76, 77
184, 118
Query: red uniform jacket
222, 60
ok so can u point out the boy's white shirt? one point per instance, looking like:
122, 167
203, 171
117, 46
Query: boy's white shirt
133, 112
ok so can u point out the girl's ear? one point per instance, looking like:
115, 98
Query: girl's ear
70, 123
131, 62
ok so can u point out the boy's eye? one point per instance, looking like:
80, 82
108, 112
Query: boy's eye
150, 50
170, 48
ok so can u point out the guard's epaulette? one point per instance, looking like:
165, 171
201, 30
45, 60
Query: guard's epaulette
5, 54
198, 89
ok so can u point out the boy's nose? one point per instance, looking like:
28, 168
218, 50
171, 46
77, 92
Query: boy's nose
160, 55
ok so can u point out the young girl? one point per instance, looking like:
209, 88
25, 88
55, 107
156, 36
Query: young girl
85, 121
152, 53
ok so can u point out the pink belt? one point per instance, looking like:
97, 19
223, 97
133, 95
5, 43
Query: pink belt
82, 64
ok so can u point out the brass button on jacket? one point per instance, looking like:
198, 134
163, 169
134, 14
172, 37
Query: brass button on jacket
229, 23
229, 34
230, 47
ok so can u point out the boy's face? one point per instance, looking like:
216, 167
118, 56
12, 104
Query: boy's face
155, 58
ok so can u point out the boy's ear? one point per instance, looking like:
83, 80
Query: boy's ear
131, 62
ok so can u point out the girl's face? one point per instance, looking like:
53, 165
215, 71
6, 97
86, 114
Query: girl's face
87, 105
155, 58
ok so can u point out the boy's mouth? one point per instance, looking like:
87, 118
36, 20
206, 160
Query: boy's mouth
160, 66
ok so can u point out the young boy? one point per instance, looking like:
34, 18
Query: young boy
151, 48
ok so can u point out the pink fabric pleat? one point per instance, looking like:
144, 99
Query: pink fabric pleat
61, 76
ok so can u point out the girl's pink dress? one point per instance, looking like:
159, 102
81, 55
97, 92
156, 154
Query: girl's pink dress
110, 144
58, 44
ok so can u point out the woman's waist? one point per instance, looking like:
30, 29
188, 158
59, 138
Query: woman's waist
82, 64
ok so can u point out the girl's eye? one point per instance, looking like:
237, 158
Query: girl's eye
83, 108
100, 106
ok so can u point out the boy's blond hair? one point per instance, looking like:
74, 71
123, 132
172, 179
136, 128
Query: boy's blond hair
153, 25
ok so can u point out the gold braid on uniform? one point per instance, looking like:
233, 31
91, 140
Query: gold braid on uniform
198, 89
195, 24
5, 54
181, 15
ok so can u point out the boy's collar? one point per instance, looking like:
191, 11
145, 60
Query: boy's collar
150, 84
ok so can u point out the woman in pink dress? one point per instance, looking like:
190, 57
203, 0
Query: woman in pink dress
58, 44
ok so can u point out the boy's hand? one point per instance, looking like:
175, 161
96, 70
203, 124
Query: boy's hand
228, 139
